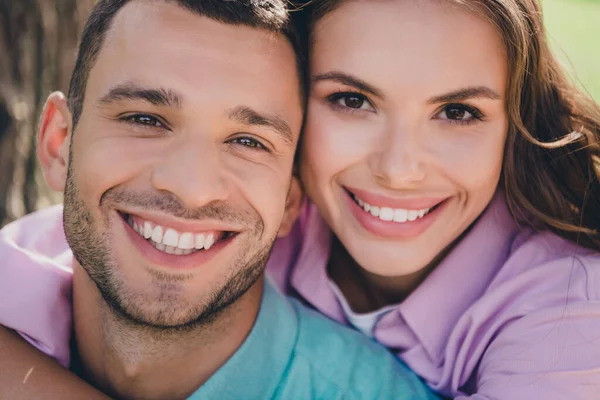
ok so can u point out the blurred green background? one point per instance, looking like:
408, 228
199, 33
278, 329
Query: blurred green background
574, 32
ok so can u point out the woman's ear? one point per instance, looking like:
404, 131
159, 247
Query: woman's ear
54, 137
293, 205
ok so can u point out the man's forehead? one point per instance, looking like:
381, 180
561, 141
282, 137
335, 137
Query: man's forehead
157, 22
158, 44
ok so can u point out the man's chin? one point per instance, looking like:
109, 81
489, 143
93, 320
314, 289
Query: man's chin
156, 313
174, 305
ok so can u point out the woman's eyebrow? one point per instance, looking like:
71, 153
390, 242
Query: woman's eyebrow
465, 94
348, 80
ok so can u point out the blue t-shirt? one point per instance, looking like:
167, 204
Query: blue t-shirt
293, 353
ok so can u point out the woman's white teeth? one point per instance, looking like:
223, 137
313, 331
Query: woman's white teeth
402, 215
172, 242
391, 214
385, 214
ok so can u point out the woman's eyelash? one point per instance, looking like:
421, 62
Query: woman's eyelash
353, 102
461, 114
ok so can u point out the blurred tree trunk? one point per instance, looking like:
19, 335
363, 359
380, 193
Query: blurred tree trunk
38, 43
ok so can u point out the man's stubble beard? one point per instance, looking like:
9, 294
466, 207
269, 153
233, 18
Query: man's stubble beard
91, 250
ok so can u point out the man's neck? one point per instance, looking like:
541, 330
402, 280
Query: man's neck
129, 361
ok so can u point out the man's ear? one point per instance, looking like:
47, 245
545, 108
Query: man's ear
54, 137
293, 205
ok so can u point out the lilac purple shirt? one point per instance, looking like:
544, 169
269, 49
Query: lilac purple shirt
510, 313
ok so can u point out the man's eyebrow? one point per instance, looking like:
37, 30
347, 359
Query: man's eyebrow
130, 91
248, 116
348, 80
465, 94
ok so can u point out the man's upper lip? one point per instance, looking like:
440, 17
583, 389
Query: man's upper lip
409, 203
183, 225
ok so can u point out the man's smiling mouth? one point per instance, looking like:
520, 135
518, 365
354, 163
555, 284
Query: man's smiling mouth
171, 241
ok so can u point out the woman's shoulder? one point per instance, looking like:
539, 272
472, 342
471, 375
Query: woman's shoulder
550, 262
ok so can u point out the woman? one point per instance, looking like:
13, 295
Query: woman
458, 170
454, 175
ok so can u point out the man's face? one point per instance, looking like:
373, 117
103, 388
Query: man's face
181, 162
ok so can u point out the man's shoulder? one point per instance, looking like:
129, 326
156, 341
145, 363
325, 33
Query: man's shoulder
343, 363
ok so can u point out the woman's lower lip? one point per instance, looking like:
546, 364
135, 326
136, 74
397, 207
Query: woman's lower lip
391, 229
172, 261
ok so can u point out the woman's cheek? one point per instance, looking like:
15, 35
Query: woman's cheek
473, 159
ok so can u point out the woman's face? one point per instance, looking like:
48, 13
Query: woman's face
406, 127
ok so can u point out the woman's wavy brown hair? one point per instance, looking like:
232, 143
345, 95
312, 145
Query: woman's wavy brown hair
551, 172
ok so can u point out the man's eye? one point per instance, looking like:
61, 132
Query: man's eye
459, 113
351, 101
145, 120
249, 142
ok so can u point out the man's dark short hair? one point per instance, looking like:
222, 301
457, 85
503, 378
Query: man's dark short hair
270, 15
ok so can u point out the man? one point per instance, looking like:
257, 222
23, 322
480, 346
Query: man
175, 151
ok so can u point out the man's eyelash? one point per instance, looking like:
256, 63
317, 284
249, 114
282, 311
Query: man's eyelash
134, 119
257, 145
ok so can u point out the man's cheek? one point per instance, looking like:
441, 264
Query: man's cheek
267, 194
105, 167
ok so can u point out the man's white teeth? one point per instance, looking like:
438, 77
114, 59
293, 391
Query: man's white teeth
172, 242
204, 241
157, 234
209, 241
391, 214
186, 241
171, 238
199, 241
147, 230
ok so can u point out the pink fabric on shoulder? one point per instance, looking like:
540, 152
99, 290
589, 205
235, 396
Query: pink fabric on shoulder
510, 314
35, 281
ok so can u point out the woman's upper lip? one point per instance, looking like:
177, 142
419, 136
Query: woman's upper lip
408, 203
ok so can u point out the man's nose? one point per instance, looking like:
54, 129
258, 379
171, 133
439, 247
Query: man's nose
193, 172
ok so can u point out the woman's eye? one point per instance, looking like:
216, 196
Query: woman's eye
145, 120
351, 101
459, 113
249, 142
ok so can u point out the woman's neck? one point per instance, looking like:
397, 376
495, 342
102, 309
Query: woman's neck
366, 292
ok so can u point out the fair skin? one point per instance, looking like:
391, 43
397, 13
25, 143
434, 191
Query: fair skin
401, 148
406, 114
196, 162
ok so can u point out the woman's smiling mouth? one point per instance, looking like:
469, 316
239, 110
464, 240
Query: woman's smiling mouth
393, 218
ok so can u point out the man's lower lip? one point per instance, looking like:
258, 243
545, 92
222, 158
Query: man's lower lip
391, 229
172, 261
